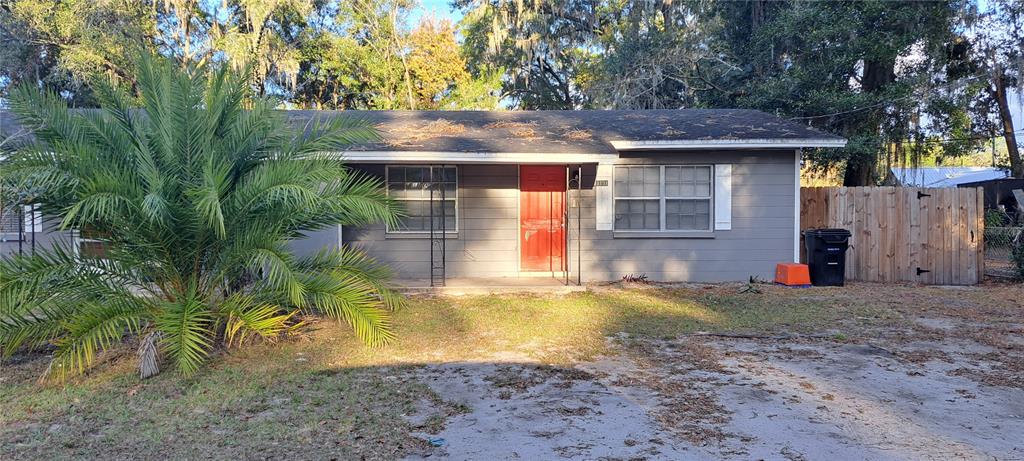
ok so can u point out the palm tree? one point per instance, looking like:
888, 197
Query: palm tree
195, 189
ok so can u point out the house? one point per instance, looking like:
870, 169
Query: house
942, 176
1005, 196
681, 195
676, 195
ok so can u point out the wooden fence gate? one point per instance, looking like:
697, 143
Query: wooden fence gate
903, 234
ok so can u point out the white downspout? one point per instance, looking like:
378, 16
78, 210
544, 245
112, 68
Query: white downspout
796, 207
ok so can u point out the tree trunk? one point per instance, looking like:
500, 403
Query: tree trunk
667, 16
401, 54
859, 172
408, 85
878, 74
756, 20
1006, 119
756, 15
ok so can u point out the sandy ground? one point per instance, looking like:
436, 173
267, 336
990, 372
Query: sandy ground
838, 401
925, 393
532, 413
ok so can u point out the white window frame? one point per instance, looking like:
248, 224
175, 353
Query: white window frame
387, 189
662, 198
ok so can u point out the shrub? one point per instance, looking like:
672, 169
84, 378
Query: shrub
1017, 254
996, 218
195, 198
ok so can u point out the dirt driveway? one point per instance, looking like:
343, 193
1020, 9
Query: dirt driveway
944, 381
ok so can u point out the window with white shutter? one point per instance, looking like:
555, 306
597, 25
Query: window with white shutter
663, 198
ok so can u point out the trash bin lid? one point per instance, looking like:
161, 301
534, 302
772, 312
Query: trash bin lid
828, 232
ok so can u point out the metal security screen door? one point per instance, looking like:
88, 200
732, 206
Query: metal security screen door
542, 217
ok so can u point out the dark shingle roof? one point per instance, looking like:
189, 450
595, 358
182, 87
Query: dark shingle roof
562, 131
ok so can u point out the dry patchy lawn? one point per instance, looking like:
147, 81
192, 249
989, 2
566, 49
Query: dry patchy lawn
615, 372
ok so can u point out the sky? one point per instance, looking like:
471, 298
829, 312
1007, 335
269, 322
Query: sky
439, 9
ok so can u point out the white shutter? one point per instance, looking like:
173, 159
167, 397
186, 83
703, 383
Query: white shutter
723, 197
604, 201
33, 219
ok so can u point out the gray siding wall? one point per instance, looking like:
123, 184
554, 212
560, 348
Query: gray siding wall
488, 235
44, 239
487, 244
761, 234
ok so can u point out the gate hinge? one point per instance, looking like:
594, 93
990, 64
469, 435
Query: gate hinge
921, 195
921, 271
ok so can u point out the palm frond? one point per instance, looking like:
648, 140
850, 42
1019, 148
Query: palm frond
184, 326
47, 115
96, 206
350, 263
116, 102
353, 301
248, 318
329, 135
250, 130
52, 298
93, 328
280, 275
361, 199
276, 183
27, 334
155, 90
28, 320
208, 197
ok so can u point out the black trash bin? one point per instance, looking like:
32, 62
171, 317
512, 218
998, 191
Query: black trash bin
826, 255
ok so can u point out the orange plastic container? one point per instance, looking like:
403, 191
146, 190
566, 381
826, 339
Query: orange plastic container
792, 275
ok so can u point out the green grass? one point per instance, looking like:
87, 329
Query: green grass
267, 402
326, 395
576, 326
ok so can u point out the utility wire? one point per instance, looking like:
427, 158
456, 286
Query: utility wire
872, 106
946, 140
809, 117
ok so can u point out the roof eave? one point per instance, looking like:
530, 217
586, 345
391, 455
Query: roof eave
420, 157
685, 144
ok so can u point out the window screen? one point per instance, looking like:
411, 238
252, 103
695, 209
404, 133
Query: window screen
663, 198
10, 221
412, 186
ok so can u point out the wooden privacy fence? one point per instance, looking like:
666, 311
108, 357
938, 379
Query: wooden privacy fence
903, 234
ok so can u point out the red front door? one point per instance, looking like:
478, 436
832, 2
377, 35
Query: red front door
542, 217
